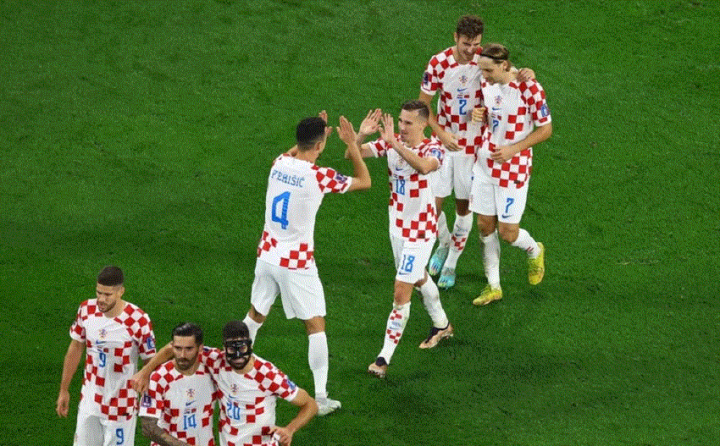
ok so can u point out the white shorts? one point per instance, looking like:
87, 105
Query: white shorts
454, 174
411, 258
488, 198
300, 290
95, 430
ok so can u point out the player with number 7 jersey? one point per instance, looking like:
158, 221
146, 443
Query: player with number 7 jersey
285, 255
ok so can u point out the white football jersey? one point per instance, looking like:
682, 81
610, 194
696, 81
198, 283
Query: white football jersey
294, 193
458, 86
183, 404
248, 401
412, 202
113, 346
514, 110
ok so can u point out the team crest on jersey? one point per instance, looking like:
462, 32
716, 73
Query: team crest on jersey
103, 333
498, 100
190, 393
463, 79
234, 389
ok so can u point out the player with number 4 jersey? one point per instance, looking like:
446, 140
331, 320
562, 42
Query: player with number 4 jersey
413, 219
286, 262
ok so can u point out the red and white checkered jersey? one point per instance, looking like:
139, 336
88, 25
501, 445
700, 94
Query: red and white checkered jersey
458, 85
183, 404
412, 202
294, 193
112, 350
514, 110
247, 401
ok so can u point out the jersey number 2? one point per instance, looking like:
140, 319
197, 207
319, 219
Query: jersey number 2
283, 200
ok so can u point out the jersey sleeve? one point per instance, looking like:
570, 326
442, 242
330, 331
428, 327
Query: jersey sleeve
379, 147
331, 181
152, 403
211, 359
430, 81
274, 381
77, 329
534, 96
146, 342
434, 150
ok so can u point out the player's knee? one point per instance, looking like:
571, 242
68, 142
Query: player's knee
508, 233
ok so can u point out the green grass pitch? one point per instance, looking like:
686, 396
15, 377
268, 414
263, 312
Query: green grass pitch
140, 133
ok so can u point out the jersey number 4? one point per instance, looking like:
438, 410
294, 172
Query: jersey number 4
281, 201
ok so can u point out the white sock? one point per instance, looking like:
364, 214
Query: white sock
319, 363
491, 258
252, 326
461, 229
527, 244
395, 326
431, 299
443, 231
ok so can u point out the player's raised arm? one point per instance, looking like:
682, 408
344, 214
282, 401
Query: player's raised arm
422, 165
361, 174
448, 139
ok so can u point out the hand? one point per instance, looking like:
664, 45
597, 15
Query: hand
479, 114
449, 141
281, 434
525, 74
369, 125
503, 154
140, 382
328, 129
387, 129
346, 131
62, 404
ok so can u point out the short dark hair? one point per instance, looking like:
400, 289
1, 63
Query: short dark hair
496, 52
188, 329
309, 131
235, 329
418, 105
469, 26
111, 276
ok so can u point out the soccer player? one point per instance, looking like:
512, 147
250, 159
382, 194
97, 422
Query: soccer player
113, 334
247, 388
177, 409
286, 263
413, 219
454, 74
517, 118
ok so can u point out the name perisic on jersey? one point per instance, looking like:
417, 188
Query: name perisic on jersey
292, 180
